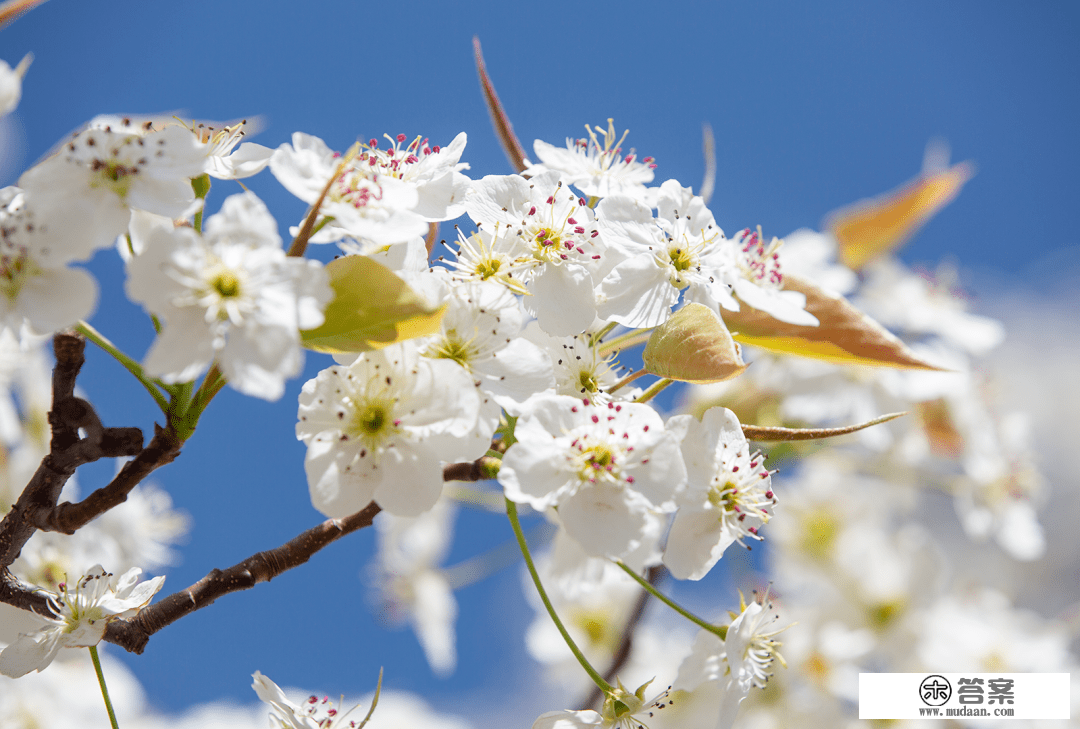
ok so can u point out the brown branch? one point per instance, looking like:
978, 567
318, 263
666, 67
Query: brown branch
622, 654
68, 517
761, 432
133, 635
504, 130
67, 450
13, 592
481, 469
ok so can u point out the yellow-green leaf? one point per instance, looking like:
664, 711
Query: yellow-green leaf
693, 346
372, 309
844, 334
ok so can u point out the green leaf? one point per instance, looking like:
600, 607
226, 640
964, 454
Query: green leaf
695, 346
372, 309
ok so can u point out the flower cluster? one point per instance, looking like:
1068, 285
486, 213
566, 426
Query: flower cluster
511, 357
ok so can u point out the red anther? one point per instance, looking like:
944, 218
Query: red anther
768, 494
629, 479
734, 469
568, 245
595, 419
594, 234
752, 530
564, 256
629, 158
397, 423
618, 408
550, 200
646, 429
412, 159
573, 410
652, 166
401, 138
581, 202
626, 436
611, 406
373, 143
585, 401
579, 230
579, 250
648, 160
532, 210
437, 148
571, 221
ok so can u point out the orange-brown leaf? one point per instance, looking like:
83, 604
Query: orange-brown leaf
870, 229
844, 334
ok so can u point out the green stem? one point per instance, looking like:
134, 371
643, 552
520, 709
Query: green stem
101, 682
718, 630
201, 186
128, 363
511, 512
595, 338
627, 380
625, 340
654, 389
184, 422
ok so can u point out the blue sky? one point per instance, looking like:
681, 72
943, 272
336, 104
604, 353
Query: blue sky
813, 106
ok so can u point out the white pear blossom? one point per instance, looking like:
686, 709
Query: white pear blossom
925, 303
36, 287
743, 660
411, 585
728, 496
561, 249
622, 710
218, 142
493, 255
83, 612
481, 332
384, 196
757, 279
435, 172
605, 468
682, 248
224, 160
599, 170
284, 714
230, 296
11, 83
581, 370
84, 192
380, 428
